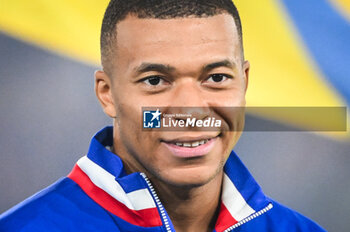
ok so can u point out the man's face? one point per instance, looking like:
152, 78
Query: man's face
183, 62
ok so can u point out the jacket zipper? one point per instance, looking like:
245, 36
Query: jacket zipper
159, 204
166, 220
251, 217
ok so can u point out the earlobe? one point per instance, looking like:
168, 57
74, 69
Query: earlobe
103, 90
246, 68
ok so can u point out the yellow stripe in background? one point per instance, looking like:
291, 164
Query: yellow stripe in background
343, 7
282, 72
70, 27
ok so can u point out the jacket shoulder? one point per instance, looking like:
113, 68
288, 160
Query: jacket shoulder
63, 206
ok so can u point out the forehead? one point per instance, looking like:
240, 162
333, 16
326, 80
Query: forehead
176, 40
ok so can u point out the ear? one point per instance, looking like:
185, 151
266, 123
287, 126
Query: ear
103, 90
246, 68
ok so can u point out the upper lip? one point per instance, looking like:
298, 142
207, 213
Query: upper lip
189, 139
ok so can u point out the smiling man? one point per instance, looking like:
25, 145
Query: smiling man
185, 57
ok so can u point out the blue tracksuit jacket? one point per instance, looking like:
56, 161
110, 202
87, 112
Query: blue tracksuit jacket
98, 196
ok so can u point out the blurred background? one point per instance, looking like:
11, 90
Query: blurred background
300, 56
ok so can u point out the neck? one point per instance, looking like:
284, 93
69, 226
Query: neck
191, 208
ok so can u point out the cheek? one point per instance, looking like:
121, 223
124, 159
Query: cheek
128, 124
234, 97
230, 139
139, 142
128, 118
232, 117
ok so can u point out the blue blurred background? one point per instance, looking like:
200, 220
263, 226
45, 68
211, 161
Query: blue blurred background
300, 56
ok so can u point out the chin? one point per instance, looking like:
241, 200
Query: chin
190, 176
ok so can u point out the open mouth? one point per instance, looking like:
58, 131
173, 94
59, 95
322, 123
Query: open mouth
187, 148
191, 144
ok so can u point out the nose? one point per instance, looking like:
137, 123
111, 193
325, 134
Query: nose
189, 99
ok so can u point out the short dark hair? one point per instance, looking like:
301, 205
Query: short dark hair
117, 10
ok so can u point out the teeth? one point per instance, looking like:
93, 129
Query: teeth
187, 144
192, 144
195, 144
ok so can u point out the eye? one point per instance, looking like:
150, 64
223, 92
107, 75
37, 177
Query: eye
218, 78
153, 80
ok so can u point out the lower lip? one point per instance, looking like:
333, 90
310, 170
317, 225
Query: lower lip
190, 152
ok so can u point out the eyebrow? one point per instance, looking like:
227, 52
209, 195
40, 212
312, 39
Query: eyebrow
223, 63
147, 67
